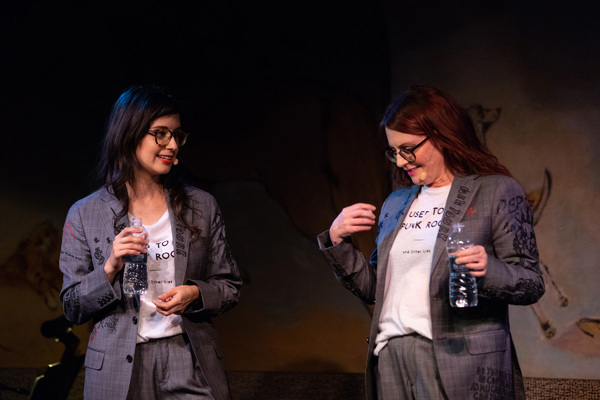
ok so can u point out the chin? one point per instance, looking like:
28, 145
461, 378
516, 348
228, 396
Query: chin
417, 180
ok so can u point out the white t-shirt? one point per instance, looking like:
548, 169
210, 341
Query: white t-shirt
406, 294
161, 277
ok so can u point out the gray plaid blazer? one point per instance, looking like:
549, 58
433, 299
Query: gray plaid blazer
88, 295
473, 347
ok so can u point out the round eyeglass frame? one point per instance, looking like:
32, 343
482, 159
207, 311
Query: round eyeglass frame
179, 135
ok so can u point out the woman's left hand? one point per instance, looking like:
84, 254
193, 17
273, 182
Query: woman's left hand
176, 300
475, 258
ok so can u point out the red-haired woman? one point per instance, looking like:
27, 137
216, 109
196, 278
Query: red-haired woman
420, 346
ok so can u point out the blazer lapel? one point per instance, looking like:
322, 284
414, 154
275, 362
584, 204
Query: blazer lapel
181, 240
461, 195
113, 207
397, 218
399, 208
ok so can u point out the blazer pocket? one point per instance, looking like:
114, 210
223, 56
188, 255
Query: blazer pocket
94, 359
486, 342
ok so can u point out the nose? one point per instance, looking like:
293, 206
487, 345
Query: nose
400, 162
172, 145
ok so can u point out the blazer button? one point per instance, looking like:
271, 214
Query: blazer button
129, 359
368, 340
134, 319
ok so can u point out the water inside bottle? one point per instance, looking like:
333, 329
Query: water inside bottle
463, 286
135, 275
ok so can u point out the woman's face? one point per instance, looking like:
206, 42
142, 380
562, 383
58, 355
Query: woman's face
156, 160
428, 168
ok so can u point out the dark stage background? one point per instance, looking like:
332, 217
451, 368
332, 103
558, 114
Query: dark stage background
283, 102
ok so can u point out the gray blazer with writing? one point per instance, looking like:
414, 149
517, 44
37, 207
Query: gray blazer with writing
88, 295
473, 346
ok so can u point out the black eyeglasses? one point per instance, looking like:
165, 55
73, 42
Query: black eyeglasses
162, 136
408, 153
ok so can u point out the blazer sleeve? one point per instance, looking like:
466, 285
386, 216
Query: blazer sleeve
350, 266
221, 283
513, 273
86, 290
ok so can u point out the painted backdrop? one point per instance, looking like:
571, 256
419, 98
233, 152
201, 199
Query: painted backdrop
284, 102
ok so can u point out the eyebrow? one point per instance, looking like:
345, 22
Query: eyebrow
164, 127
405, 147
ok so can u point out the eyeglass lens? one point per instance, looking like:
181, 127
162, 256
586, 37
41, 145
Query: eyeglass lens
407, 154
163, 136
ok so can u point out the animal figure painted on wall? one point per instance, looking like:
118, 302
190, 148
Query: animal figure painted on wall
34, 264
583, 328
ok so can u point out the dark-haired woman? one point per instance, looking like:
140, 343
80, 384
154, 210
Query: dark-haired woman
162, 344
420, 347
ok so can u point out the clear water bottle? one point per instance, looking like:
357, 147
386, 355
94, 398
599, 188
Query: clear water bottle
135, 276
463, 285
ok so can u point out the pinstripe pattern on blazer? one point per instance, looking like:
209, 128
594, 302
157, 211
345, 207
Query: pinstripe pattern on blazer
88, 295
473, 347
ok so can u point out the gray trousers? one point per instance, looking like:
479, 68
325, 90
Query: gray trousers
406, 369
165, 369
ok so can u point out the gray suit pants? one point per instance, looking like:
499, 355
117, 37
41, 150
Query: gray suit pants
406, 369
165, 369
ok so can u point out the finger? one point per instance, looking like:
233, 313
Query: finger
478, 274
475, 266
361, 212
359, 228
163, 304
163, 312
134, 239
364, 206
163, 307
128, 232
138, 244
167, 295
363, 219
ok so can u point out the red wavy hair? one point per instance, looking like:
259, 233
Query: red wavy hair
424, 110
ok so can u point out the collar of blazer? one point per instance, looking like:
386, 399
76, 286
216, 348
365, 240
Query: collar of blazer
461, 194
459, 199
113, 207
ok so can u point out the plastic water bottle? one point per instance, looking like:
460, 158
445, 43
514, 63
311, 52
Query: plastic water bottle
135, 277
463, 285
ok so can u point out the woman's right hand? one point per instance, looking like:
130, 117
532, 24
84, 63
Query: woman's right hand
358, 217
124, 244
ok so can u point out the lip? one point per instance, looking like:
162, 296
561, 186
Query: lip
166, 159
411, 171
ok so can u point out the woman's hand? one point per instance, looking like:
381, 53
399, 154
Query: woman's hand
124, 244
358, 217
176, 300
475, 259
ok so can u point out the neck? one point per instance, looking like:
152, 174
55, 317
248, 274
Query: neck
444, 180
144, 187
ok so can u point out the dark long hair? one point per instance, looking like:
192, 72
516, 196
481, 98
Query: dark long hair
423, 110
128, 124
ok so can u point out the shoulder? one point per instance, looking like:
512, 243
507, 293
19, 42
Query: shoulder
94, 200
500, 184
495, 183
199, 196
202, 203
403, 192
400, 196
493, 179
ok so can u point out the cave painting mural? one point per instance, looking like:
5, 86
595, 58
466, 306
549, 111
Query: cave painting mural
583, 335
